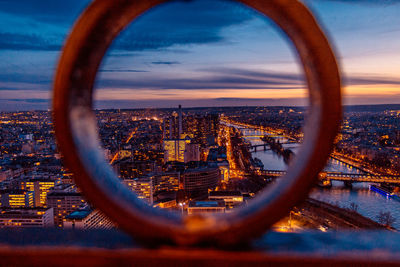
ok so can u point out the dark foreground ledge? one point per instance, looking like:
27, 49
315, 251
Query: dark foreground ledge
51, 247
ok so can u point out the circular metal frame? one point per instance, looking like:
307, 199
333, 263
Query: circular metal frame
78, 140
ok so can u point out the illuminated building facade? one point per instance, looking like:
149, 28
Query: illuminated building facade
142, 186
40, 187
224, 168
145, 187
192, 152
17, 198
198, 181
174, 149
206, 207
87, 218
63, 204
26, 217
231, 198
128, 168
166, 182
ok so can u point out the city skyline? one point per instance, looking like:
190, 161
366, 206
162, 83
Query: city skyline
200, 53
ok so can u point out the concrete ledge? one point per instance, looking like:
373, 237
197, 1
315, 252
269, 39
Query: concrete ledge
51, 247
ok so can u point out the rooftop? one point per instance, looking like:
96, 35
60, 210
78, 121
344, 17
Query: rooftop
206, 204
225, 193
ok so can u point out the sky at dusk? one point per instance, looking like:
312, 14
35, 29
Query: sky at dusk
200, 53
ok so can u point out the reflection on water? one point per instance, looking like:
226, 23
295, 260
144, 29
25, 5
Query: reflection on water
369, 203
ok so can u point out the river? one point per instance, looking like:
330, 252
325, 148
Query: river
369, 203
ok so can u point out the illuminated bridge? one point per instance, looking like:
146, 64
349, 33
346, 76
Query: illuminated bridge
265, 147
346, 177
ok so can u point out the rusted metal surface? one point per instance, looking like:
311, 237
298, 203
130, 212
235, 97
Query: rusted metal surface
177, 257
78, 140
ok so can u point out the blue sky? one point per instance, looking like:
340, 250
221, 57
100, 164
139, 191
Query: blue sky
200, 53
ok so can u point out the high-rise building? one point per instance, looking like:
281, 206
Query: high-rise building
180, 128
16, 198
174, 149
197, 182
192, 152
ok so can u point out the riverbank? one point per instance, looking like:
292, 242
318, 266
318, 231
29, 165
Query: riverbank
318, 215
336, 218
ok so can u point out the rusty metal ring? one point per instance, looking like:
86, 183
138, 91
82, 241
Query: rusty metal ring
78, 140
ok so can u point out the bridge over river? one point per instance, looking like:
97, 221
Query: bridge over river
265, 147
345, 177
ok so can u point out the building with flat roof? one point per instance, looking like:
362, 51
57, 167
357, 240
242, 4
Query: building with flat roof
16, 198
231, 198
174, 149
63, 204
206, 206
87, 218
40, 187
198, 181
147, 186
26, 217
142, 186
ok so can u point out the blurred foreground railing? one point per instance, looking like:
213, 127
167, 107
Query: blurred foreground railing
51, 247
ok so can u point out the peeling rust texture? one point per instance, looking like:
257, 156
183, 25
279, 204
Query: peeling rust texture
78, 140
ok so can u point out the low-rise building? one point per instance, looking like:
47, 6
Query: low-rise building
206, 206
231, 198
63, 204
26, 217
87, 218
16, 198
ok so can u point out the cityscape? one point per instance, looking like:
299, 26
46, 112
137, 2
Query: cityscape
214, 159
199, 108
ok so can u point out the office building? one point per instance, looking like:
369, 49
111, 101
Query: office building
192, 152
26, 217
40, 187
199, 181
142, 186
174, 149
63, 204
17, 198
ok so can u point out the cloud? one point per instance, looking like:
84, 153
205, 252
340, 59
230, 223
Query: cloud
29, 100
238, 99
213, 78
165, 62
217, 102
123, 70
182, 23
175, 23
34, 79
370, 80
16, 41
48, 11
369, 2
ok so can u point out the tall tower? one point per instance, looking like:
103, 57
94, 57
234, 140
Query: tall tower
164, 130
180, 122
170, 127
